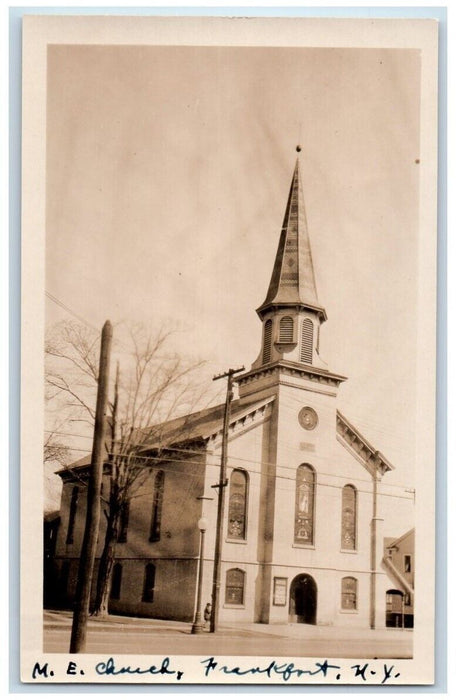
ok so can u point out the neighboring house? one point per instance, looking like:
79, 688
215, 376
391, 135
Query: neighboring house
302, 539
399, 561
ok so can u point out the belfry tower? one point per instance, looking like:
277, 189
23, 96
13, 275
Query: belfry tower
291, 313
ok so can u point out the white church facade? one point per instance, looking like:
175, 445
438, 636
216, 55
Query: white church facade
302, 536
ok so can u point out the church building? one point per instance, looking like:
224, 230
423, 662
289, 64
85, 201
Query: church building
302, 538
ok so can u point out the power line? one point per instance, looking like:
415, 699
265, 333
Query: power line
375, 427
70, 311
369, 425
238, 459
117, 341
157, 461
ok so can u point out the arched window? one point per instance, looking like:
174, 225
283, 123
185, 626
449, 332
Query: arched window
306, 341
286, 330
157, 505
349, 593
72, 515
267, 342
149, 583
116, 582
123, 521
237, 505
234, 589
348, 528
304, 505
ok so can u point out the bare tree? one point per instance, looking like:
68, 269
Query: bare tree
54, 450
152, 387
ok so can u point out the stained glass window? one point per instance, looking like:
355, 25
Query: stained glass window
234, 593
157, 504
349, 593
348, 531
237, 508
304, 506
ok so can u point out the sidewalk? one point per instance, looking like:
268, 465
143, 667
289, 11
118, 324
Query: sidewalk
62, 620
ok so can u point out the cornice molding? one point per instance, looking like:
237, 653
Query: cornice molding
242, 424
274, 307
360, 448
308, 372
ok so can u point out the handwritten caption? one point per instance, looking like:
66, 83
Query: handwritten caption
213, 670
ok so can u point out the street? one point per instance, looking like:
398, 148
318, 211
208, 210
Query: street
121, 635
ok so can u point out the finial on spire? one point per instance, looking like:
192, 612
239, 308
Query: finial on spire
293, 279
298, 148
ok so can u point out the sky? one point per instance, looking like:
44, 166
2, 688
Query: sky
168, 170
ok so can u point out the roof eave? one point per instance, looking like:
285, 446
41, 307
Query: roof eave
297, 305
381, 463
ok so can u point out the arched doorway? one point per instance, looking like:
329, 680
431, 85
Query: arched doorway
394, 608
303, 600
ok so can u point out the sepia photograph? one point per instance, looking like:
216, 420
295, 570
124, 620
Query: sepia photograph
231, 316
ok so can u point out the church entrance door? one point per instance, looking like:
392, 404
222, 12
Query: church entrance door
303, 600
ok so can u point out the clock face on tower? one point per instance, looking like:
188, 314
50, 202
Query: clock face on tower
308, 418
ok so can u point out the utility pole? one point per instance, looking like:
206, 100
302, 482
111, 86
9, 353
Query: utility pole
89, 543
221, 500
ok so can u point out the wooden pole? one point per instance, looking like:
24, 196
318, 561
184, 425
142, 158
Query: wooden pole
89, 543
221, 500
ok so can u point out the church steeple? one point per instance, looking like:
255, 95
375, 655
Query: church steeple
291, 313
293, 279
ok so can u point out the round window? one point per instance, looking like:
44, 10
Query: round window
308, 418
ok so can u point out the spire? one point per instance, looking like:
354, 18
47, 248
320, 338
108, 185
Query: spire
293, 279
